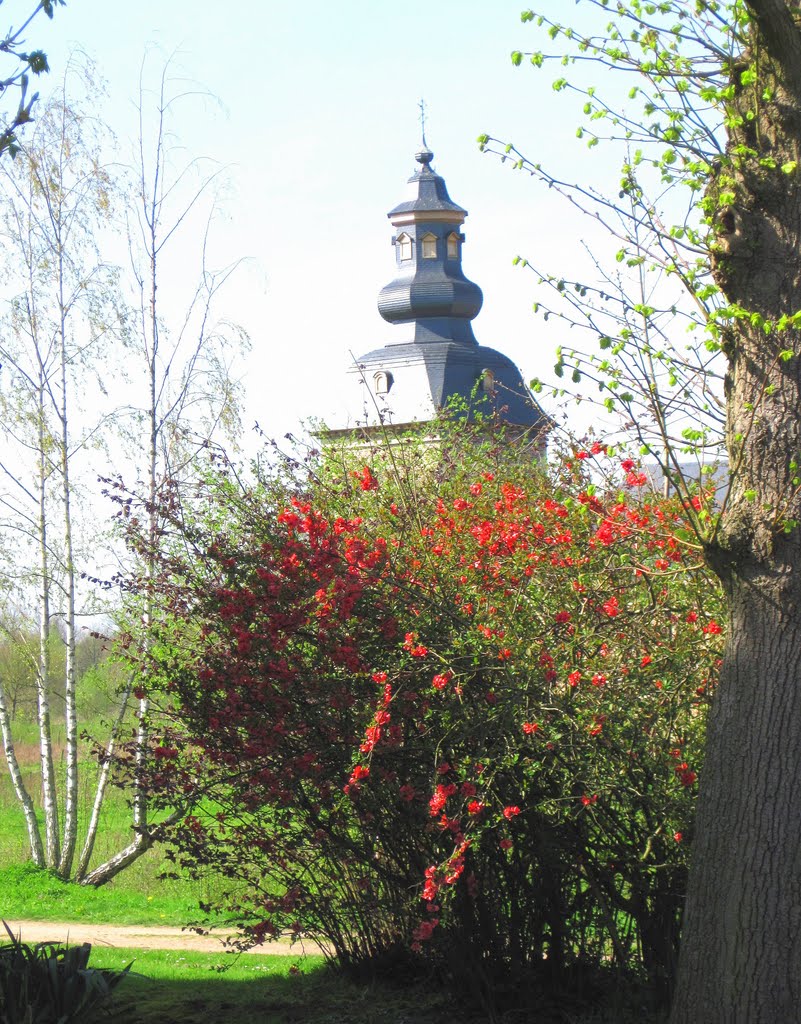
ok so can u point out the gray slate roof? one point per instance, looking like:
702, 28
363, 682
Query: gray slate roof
431, 303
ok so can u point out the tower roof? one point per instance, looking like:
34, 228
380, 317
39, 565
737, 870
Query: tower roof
429, 194
435, 357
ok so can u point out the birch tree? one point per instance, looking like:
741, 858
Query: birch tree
66, 325
60, 321
24, 63
184, 354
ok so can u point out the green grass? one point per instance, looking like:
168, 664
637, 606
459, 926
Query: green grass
29, 893
178, 987
138, 895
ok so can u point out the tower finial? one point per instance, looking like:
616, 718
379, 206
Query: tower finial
422, 106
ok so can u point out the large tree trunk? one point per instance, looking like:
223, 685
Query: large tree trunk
741, 949
740, 960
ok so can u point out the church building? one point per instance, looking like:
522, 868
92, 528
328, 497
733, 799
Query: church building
435, 358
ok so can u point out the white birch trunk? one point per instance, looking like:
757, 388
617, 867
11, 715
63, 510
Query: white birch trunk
70, 709
49, 789
141, 844
24, 797
103, 778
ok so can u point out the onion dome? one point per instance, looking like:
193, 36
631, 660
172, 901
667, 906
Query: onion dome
430, 290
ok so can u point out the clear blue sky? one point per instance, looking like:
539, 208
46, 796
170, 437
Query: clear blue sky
318, 125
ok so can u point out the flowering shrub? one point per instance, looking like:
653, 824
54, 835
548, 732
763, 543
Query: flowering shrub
453, 711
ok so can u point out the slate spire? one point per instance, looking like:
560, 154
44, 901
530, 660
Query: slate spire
430, 292
434, 356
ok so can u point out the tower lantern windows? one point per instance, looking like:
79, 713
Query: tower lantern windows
453, 246
429, 246
404, 243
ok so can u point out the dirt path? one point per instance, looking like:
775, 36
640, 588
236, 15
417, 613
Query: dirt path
142, 937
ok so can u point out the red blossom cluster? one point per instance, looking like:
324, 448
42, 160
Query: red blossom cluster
363, 692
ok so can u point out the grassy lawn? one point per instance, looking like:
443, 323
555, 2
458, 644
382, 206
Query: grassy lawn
137, 895
27, 893
224, 989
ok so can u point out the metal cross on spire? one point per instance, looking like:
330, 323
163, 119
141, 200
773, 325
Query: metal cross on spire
422, 106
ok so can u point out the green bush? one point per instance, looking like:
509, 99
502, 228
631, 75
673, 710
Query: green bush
447, 709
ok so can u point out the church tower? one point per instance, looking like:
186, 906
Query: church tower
435, 357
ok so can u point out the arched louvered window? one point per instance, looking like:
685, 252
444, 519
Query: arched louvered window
453, 246
404, 247
429, 246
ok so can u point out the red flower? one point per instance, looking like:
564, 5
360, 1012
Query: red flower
611, 607
379, 677
645, 660
359, 772
562, 617
439, 682
416, 650
678, 836
712, 628
367, 481
574, 678
506, 844
511, 812
587, 800
530, 727
475, 807
627, 465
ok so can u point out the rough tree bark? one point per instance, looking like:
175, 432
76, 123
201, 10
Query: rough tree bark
740, 959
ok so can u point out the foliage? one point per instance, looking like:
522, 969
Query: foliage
33, 62
652, 314
446, 703
705, 98
50, 983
